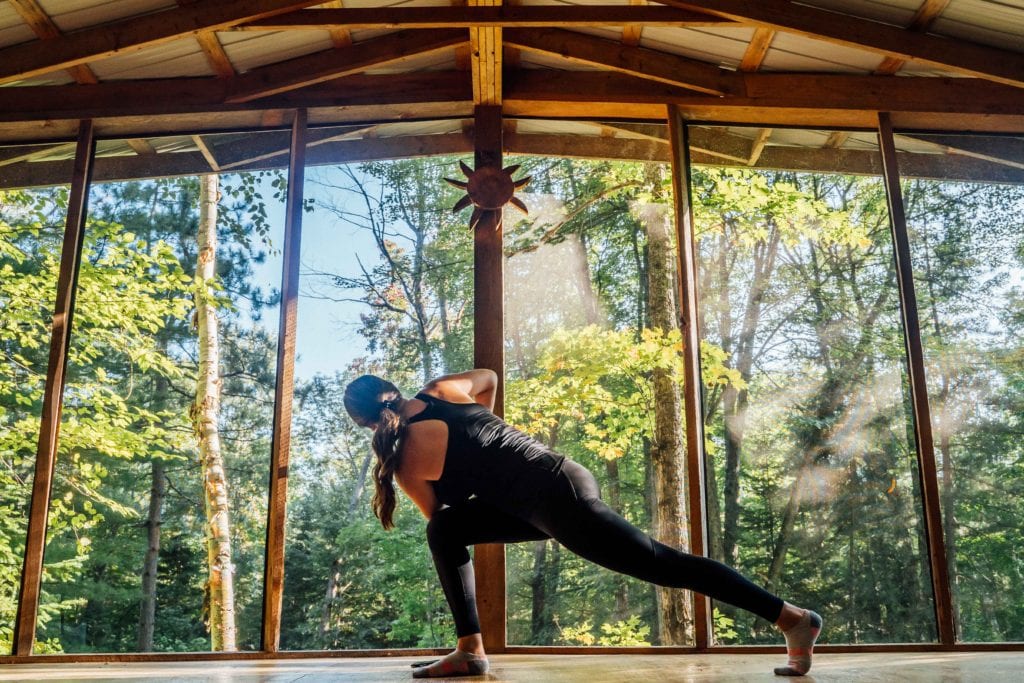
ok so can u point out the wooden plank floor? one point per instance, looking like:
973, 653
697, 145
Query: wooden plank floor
945, 667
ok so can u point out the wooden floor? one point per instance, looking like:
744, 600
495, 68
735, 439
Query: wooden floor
945, 667
948, 668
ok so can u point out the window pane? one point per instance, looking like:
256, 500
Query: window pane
964, 201
812, 478
386, 288
158, 511
593, 370
31, 234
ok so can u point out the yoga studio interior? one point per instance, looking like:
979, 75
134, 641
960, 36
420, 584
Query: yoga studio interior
756, 264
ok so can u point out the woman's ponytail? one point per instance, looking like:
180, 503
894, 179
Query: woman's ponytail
385, 445
372, 401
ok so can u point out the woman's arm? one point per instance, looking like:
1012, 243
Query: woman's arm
477, 385
420, 464
420, 492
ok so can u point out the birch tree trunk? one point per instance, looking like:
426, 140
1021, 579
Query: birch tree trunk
667, 447
205, 413
147, 608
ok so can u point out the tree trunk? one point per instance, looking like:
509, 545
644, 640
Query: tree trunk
667, 447
205, 414
330, 595
147, 609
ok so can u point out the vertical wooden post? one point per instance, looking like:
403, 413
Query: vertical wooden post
693, 386
918, 386
273, 575
49, 428
489, 352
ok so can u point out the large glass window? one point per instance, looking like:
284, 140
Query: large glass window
386, 288
31, 234
965, 218
593, 367
812, 478
158, 510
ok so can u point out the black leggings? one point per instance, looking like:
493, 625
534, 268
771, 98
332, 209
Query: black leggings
573, 514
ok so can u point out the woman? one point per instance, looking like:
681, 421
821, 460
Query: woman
478, 480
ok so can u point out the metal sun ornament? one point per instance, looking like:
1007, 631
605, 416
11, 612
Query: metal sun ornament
488, 188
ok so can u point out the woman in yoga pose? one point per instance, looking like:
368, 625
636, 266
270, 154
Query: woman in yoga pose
478, 480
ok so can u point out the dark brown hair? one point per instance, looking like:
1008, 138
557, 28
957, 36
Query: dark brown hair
372, 400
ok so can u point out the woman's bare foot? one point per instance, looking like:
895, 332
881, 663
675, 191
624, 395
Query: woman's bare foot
468, 659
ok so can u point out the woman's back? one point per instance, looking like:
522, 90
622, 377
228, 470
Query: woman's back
487, 457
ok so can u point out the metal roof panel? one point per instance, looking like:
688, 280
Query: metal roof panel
71, 15
178, 59
981, 21
251, 49
790, 52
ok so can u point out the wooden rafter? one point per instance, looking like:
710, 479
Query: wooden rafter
635, 61
631, 33
207, 153
836, 139
486, 49
757, 49
505, 16
27, 59
335, 63
960, 56
14, 155
42, 25
925, 16
212, 49
757, 148
341, 36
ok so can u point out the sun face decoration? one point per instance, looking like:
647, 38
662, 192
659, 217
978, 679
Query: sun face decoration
488, 189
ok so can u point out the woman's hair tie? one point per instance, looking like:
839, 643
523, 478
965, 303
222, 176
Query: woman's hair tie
390, 404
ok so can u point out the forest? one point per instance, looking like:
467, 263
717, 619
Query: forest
158, 514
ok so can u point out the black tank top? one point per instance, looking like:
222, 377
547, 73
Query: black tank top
488, 458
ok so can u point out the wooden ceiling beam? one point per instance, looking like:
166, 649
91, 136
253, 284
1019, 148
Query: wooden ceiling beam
709, 146
963, 57
336, 63
209, 95
44, 28
503, 16
29, 59
922, 20
486, 50
634, 61
785, 93
586, 147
